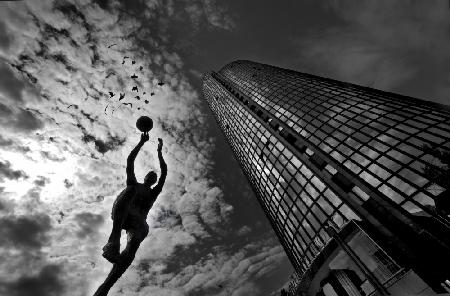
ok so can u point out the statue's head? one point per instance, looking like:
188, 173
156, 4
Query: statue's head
150, 178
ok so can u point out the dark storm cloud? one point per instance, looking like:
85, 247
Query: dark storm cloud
47, 282
11, 89
24, 232
5, 142
21, 69
26, 120
10, 86
62, 58
5, 39
19, 119
402, 46
7, 172
51, 156
67, 183
41, 181
73, 14
103, 3
88, 224
111, 143
88, 116
6, 205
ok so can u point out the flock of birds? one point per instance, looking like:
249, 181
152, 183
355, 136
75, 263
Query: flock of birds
133, 89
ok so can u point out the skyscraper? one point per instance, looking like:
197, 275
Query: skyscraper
339, 171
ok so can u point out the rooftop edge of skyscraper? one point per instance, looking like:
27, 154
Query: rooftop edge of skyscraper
343, 83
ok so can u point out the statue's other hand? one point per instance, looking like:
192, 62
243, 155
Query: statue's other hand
160, 144
144, 137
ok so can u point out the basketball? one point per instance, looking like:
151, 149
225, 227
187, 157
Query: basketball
144, 124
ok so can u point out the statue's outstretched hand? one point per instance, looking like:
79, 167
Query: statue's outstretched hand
144, 137
160, 144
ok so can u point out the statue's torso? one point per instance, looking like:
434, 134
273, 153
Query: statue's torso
141, 200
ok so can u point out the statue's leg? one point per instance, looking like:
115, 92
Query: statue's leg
119, 214
126, 258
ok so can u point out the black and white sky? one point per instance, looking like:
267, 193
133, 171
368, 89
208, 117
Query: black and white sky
64, 137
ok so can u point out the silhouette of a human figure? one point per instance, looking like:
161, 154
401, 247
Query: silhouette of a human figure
130, 212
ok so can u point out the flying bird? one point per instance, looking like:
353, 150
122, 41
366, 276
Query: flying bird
122, 95
134, 76
110, 74
111, 45
160, 83
128, 104
135, 88
111, 94
61, 216
124, 58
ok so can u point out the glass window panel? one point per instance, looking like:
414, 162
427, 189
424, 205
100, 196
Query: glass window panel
409, 149
318, 184
313, 221
306, 199
413, 178
401, 185
352, 166
338, 220
388, 163
411, 207
360, 193
370, 179
360, 159
377, 170
391, 194
424, 199
331, 197
336, 155
348, 213
319, 213
307, 172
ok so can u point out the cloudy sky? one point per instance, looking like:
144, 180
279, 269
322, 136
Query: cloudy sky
64, 139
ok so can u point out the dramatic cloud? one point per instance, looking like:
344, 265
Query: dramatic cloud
41, 181
5, 39
25, 231
46, 282
75, 69
399, 46
88, 224
10, 86
7, 172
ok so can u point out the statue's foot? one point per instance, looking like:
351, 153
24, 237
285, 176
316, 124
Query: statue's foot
111, 252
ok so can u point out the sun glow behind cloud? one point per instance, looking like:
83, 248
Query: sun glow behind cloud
36, 166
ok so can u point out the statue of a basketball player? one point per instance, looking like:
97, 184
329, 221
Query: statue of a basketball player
130, 213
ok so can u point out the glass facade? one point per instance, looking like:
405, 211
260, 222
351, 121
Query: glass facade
316, 150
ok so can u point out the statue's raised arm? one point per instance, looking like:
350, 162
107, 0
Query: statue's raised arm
163, 166
131, 177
